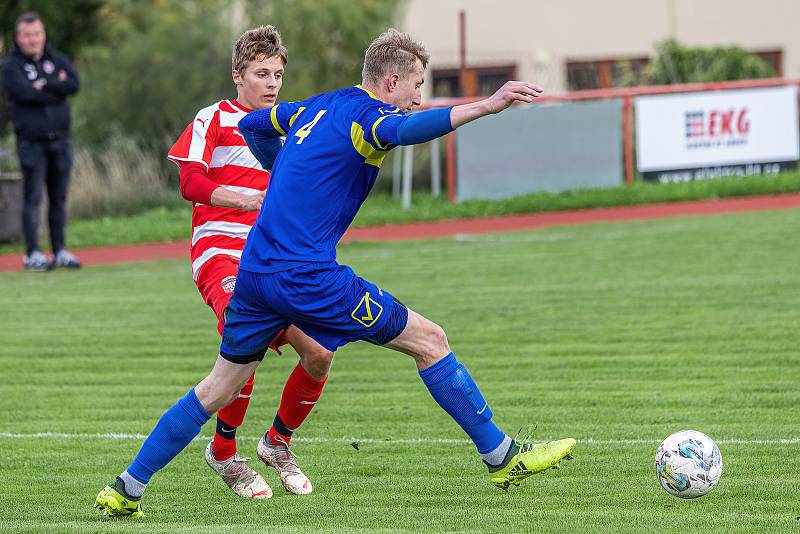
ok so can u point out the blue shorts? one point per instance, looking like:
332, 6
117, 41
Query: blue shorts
327, 301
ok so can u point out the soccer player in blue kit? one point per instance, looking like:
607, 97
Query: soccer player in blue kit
335, 144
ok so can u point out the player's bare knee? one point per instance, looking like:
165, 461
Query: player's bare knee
434, 345
317, 362
437, 341
214, 394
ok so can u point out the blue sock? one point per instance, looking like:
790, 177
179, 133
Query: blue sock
174, 431
451, 385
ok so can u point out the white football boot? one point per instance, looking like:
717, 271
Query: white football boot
241, 478
284, 462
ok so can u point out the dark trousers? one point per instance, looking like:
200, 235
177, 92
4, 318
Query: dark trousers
45, 164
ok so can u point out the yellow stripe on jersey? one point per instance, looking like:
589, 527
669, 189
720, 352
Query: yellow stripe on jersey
273, 114
370, 93
297, 114
375, 137
372, 157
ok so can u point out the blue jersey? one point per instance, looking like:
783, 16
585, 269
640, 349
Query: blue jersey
335, 145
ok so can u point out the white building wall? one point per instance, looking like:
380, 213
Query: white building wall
539, 37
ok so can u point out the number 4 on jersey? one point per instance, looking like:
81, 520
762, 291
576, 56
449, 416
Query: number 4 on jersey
305, 130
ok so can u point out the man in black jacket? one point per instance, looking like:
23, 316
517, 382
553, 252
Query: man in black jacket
37, 80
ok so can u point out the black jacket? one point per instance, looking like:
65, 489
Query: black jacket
39, 114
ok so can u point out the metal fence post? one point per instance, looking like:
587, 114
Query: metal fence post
397, 159
450, 145
436, 169
627, 138
408, 167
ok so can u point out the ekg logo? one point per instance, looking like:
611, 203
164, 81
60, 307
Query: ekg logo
717, 128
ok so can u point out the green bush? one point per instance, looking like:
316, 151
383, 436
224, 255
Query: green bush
675, 63
326, 39
159, 61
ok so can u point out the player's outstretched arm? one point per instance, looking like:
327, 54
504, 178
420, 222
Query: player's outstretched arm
505, 96
423, 126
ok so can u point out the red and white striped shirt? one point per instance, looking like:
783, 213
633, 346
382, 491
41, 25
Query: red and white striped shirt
213, 140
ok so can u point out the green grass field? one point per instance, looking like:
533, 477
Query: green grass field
617, 334
172, 222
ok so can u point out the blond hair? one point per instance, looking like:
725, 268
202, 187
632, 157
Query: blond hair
258, 43
392, 52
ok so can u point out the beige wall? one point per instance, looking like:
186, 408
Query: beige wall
540, 36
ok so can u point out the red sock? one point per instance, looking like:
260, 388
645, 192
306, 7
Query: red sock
228, 420
300, 394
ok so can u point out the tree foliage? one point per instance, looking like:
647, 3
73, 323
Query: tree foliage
326, 39
675, 63
156, 64
159, 61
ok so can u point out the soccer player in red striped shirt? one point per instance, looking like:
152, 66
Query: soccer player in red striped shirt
226, 185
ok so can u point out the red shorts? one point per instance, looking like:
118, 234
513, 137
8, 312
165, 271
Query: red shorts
216, 281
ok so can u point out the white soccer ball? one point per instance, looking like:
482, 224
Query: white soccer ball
688, 464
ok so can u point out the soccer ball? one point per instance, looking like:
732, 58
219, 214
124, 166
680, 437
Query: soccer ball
688, 464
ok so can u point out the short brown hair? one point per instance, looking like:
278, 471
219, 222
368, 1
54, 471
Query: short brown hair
27, 18
392, 51
255, 44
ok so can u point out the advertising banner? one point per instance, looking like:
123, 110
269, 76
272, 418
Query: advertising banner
696, 136
529, 149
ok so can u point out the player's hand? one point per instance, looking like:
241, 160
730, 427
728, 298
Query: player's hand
39, 84
252, 203
512, 92
62, 75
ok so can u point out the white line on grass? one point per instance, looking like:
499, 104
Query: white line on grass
389, 441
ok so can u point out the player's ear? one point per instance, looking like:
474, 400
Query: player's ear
391, 82
237, 78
